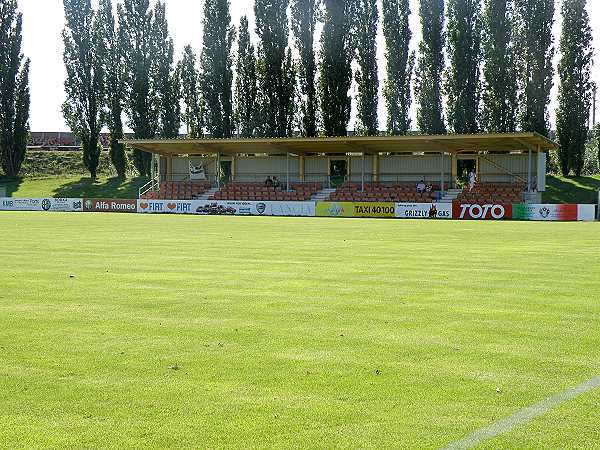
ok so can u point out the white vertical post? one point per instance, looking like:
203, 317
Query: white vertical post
218, 171
152, 174
529, 172
443, 176
363, 172
287, 162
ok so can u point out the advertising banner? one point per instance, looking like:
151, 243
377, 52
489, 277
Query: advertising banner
247, 208
238, 208
559, 213
350, 209
545, 212
481, 212
165, 206
109, 205
41, 204
197, 171
424, 210
586, 213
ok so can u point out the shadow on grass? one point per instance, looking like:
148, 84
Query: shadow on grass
111, 188
571, 190
10, 185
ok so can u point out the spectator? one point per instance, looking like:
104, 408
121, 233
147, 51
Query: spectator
421, 187
276, 183
429, 188
269, 182
472, 180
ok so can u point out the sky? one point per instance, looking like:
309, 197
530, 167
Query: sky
44, 20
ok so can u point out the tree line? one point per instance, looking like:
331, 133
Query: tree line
481, 66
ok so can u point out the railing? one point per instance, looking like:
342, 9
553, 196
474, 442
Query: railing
152, 185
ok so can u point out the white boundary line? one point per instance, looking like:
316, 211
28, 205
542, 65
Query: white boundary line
524, 416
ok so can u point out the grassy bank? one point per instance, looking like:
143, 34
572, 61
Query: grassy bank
572, 189
72, 186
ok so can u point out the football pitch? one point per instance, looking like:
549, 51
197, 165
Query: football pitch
136, 331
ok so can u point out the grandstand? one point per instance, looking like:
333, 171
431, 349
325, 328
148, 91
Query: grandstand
510, 168
258, 191
493, 193
178, 190
383, 192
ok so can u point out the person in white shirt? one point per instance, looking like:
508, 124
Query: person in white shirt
472, 180
421, 187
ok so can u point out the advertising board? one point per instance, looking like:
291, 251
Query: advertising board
559, 213
109, 205
252, 208
481, 212
41, 204
424, 210
586, 213
165, 206
237, 208
350, 209
545, 212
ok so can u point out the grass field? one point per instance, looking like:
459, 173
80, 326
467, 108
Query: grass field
210, 332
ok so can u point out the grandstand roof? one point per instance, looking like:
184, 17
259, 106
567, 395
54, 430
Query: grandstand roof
451, 143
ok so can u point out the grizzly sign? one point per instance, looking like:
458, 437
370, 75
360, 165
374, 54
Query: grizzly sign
109, 205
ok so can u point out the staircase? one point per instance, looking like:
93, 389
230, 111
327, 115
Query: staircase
322, 195
207, 194
450, 195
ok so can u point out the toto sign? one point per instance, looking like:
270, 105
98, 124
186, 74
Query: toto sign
482, 212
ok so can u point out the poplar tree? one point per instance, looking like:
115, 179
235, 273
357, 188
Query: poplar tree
166, 76
276, 98
114, 69
245, 85
534, 20
84, 86
499, 67
288, 92
141, 99
305, 16
14, 90
575, 90
430, 67
190, 90
216, 74
336, 71
367, 77
400, 65
462, 84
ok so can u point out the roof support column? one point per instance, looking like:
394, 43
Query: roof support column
529, 172
218, 170
376, 167
169, 168
301, 167
362, 177
442, 187
233, 167
152, 167
454, 171
348, 168
287, 169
